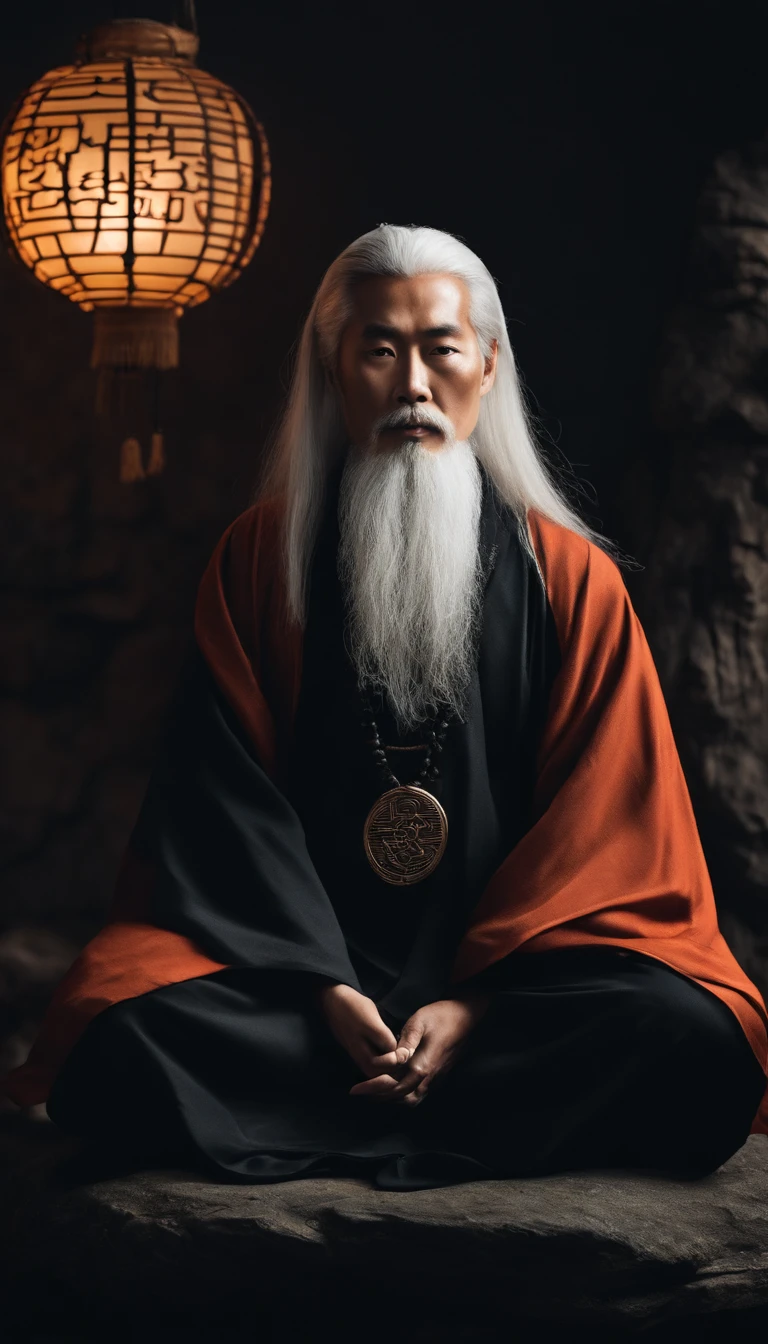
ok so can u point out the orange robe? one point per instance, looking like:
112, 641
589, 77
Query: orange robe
613, 854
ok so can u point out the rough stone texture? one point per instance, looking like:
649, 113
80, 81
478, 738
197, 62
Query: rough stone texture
622, 1253
97, 586
705, 597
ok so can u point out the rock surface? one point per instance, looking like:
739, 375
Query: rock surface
620, 1253
703, 599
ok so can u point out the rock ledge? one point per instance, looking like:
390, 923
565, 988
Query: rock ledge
624, 1251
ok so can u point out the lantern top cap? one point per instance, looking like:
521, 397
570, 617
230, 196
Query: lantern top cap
137, 37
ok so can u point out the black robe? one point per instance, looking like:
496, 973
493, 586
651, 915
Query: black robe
237, 1070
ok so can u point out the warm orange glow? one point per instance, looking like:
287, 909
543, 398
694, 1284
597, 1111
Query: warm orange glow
141, 182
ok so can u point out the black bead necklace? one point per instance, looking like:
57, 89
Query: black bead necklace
435, 736
406, 830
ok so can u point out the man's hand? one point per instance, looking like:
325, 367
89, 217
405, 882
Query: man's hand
434, 1037
358, 1027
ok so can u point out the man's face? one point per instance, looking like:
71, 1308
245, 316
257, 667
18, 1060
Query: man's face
409, 350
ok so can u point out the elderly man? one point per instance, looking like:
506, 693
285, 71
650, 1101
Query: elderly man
416, 888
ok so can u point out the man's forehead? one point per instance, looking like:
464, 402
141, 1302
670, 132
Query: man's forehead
422, 302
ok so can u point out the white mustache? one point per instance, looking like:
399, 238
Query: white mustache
407, 419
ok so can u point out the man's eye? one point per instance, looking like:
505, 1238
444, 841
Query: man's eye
446, 349
382, 350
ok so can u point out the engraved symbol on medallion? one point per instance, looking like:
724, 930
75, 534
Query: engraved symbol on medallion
405, 834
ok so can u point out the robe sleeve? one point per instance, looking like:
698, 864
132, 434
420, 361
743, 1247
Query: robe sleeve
613, 854
231, 867
217, 872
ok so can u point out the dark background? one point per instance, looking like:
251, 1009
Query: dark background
566, 144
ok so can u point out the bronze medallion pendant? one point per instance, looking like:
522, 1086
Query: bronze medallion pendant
406, 830
405, 834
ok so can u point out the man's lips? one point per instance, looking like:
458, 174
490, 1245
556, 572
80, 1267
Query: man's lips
411, 429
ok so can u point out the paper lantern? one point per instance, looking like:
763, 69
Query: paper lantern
136, 185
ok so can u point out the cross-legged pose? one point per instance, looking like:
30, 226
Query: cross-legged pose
416, 889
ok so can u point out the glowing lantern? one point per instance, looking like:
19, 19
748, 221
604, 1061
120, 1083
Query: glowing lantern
136, 185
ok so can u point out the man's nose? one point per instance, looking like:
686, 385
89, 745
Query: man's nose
413, 384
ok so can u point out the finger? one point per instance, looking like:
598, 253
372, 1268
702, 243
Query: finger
418, 1071
386, 1089
393, 1088
417, 1096
410, 1038
372, 1066
380, 1086
376, 1033
383, 1063
380, 1043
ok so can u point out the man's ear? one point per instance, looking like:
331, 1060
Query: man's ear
489, 373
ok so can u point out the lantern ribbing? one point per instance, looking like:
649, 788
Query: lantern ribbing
135, 184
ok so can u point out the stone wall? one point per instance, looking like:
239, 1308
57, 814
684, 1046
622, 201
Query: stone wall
705, 597
97, 585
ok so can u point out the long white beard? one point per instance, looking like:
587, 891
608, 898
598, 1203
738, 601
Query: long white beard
409, 563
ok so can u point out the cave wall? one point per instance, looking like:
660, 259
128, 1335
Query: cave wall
706, 590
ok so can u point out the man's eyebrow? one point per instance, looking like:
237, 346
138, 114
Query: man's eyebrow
374, 330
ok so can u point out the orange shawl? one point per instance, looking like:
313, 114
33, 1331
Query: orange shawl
613, 856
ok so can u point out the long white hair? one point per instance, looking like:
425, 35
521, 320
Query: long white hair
310, 436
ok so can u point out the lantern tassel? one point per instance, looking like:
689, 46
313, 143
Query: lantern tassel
156, 455
131, 465
135, 338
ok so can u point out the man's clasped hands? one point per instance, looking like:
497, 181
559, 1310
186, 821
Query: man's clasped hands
399, 1069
